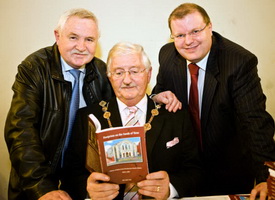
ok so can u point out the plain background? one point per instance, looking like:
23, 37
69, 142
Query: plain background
26, 26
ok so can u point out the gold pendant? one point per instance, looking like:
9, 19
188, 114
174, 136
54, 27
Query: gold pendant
147, 126
107, 115
155, 112
102, 103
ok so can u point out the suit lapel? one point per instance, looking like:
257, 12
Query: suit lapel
210, 84
180, 77
153, 134
115, 116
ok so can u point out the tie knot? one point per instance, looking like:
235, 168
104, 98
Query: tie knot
194, 69
133, 109
75, 73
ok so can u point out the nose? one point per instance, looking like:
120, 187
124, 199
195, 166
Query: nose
127, 77
80, 46
188, 39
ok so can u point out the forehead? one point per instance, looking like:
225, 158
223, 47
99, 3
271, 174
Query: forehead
78, 24
190, 21
126, 61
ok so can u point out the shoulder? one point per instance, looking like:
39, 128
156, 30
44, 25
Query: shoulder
42, 57
97, 65
168, 48
98, 62
226, 47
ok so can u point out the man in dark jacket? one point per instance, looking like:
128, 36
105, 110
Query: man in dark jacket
234, 130
37, 123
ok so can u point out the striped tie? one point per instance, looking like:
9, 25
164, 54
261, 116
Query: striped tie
131, 189
132, 118
74, 106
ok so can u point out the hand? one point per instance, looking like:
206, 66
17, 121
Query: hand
56, 195
156, 185
98, 188
168, 98
260, 189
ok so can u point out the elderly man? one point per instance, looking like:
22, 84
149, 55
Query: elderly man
47, 94
174, 171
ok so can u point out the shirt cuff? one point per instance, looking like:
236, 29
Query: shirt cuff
173, 192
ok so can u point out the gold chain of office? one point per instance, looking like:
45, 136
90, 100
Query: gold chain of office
147, 126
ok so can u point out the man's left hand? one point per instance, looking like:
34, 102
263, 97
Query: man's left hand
156, 185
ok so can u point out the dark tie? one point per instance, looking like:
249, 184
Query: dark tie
74, 106
194, 101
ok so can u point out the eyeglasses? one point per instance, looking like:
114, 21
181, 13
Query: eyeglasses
135, 72
194, 33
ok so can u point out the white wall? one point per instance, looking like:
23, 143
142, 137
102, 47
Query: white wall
28, 25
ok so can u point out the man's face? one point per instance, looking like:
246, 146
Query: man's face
77, 41
129, 88
192, 47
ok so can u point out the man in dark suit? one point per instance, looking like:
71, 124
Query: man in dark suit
173, 157
236, 131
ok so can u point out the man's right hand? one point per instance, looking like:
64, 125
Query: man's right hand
99, 188
169, 99
56, 195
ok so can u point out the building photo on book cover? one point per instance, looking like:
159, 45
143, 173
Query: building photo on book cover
121, 152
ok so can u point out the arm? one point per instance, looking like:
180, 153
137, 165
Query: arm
255, 122
30, 166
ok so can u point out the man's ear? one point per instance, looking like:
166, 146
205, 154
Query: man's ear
57, 35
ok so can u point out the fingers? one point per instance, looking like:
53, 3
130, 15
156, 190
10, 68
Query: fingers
156, 185
169, 99
98, 187
56, 194
261, 190
173, 104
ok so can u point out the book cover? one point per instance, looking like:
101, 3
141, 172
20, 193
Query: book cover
119, 152
92, 154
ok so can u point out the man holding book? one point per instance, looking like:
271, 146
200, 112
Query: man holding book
172, 152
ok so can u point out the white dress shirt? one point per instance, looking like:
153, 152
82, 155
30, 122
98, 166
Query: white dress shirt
201, 77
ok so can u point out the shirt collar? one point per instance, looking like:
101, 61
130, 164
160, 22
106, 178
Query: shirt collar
202, 63
67, 68
142, 104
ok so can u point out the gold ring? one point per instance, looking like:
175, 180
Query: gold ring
158, 189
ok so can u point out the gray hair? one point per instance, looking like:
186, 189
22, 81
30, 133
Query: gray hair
127, 48
78, 12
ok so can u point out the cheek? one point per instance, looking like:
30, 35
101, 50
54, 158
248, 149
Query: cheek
91, 48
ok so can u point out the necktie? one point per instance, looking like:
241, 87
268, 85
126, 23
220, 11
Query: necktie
131, 189
132, 118
74, 106
194, 101
131, 192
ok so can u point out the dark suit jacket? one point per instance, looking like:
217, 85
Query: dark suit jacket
237, 132
180, 161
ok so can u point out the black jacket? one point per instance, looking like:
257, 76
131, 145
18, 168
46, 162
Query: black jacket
237, 132
181, 161
36, 124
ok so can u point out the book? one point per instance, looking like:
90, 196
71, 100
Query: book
271, 180
119, 152
92, 154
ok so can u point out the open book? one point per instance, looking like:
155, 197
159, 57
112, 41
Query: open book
119, 152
